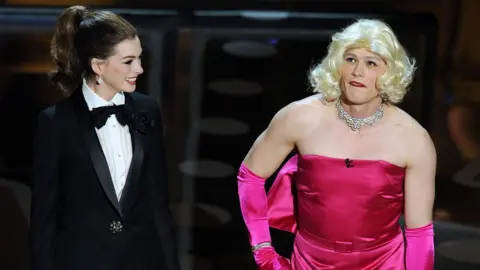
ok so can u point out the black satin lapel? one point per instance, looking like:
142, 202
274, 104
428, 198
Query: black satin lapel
95, 149
134, 172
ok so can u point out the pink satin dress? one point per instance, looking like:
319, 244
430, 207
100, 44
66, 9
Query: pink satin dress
343, 218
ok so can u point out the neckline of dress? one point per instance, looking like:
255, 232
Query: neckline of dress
355, 160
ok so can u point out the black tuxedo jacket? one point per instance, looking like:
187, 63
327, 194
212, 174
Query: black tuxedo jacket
77, 222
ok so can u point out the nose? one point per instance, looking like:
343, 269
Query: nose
139, 69
358, 70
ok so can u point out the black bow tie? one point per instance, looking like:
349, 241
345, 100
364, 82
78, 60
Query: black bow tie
101, 114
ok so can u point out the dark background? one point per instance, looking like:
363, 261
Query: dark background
220, 76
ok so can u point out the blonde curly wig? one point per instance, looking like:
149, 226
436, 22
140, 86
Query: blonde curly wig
373, 35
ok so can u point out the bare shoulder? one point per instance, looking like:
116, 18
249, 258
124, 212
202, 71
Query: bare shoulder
299, 115
410, 127
416, 137
284, 131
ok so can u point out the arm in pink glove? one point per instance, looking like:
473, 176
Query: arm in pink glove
419, 194
265, 156
253, 204
420, 252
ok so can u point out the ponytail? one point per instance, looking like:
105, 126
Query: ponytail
69, 69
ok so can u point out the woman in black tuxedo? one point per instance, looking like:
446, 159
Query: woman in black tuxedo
100, 196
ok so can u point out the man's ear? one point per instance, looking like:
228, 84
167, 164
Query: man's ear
98, 66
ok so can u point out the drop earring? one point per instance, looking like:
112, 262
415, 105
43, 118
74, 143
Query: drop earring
99, 81
384, 97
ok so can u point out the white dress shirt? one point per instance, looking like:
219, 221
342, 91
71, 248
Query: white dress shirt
114, 138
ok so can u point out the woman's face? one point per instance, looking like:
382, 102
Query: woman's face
120, 71
359, 73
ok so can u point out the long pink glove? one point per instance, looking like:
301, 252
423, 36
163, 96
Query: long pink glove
267, 259
253, 204
420, 252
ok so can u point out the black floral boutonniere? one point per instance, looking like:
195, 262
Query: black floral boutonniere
141, 122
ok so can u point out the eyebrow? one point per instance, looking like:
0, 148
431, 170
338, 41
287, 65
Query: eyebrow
132, 56
366, 57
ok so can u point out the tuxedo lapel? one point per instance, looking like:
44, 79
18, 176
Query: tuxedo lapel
130, 189
95, 149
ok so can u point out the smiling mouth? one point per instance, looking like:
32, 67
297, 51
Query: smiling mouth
131, 81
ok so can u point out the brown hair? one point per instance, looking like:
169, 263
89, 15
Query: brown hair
81, 35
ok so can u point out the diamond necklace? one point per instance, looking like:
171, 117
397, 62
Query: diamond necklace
357, 123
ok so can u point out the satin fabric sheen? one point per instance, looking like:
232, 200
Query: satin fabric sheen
253, 204
420, 248
268, 259
343, 218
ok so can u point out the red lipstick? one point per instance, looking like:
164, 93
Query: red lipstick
357, 84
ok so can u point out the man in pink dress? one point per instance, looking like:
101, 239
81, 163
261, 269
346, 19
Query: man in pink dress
361, 163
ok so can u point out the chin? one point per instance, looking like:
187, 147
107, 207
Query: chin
355, 100
358, 98
129, 88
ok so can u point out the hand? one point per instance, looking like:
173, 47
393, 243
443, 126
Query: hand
267, 259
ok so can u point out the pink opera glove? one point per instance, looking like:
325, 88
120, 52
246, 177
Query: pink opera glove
253, 204
420, 251
267, 259
254, 207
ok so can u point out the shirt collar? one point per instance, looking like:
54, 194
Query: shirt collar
94, 101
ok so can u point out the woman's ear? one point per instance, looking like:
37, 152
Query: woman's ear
98, 66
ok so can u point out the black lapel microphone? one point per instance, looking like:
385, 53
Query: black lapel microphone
349, 163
